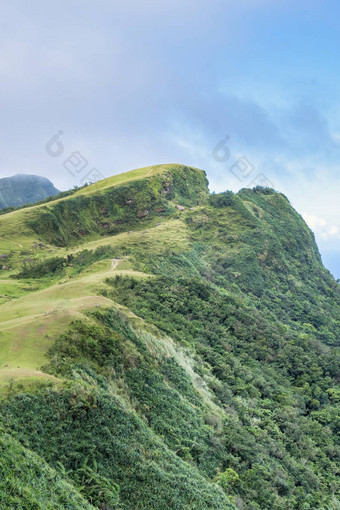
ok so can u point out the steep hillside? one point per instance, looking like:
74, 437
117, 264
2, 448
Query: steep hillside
26, 481
169, 348
24, 189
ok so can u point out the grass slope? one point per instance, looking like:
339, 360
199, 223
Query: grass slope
178, 346
27, 482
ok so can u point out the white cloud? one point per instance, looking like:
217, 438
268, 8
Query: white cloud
321, 227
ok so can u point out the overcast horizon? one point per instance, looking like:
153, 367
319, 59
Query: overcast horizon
247, 92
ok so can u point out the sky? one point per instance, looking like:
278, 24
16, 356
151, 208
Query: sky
248, 90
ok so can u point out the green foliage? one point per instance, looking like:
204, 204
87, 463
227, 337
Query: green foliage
28, 483
226, 199
39, 269
85, 422
55, 266
120, 208
87, 257
228, 480
97, 489
282, 376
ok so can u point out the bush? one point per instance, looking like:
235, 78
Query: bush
50, 267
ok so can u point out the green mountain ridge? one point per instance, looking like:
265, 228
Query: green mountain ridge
163, 347
23, 189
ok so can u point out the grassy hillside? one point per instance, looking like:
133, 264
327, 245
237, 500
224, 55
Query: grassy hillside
170, 349
27, 481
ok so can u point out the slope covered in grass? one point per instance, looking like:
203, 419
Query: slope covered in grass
27, 482
185, 356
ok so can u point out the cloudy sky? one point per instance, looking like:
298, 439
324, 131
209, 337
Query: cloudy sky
247, 90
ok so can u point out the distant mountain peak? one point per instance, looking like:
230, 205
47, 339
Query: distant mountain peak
22, 189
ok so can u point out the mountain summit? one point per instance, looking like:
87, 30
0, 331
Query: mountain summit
164, 347
24, 189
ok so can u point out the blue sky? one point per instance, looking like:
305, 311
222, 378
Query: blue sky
132, 84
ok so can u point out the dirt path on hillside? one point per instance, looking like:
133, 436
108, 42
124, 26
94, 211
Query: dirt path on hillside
115, 263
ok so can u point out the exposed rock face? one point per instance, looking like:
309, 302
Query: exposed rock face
142, 214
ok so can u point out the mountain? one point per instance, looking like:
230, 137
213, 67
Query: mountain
164, 347
24, 189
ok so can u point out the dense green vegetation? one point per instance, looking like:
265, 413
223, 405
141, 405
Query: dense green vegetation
277, 385
26, 481
210, 382
120, 208
55, 266
85, 426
